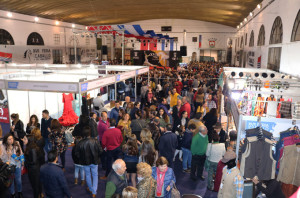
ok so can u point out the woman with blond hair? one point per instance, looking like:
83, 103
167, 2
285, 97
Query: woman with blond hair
146, 135
40, 142
130, 192
146, 184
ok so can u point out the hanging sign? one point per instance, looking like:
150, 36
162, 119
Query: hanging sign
42, 86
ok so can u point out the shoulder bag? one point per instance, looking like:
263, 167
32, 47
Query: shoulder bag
175, 192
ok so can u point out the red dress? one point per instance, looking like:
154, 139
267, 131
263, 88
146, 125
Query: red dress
68, 117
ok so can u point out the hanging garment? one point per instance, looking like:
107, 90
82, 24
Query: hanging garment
289, 172
287, 141
257, 160
253, 105
68, 117
286, 109
259, 108
256, 131
278, 115
272, 109
296, 112
267, 103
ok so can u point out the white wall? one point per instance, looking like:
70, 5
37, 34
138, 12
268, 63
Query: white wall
20, 26
287, 10
194, 29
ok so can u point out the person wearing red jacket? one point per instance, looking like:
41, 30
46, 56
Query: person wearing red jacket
185, 107
111, 142
178, 86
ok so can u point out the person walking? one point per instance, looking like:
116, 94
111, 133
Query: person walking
198, 148
45, 129
186, 148
88, 152
111, 142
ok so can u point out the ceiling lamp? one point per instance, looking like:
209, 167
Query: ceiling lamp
238, 27
86, 27
256, 75
259, 5
241, 23
245, 19
241, 74
36, 19
251, 14
73, 25
232, 74
272, 75
56, 22
9, 14
264, 75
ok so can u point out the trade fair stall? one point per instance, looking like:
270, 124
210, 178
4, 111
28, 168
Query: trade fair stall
264, 106
31, 91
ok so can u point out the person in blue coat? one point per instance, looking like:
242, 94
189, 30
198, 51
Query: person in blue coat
114, 113
164, 177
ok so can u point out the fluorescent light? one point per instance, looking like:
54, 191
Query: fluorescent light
9, 14
251, 13
73, 25
36, 19
259, 5
56, 22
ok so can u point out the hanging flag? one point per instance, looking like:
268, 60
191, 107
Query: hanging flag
153, 45
259, 62
163, 44
5, 57
171, 44
200, 41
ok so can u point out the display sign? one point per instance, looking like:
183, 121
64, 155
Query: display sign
101, 82
4, 114
141, 71
126, 75
174, 58
42, 86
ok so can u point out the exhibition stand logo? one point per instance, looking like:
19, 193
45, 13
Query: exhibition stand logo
118, 78
84, 87
13, 85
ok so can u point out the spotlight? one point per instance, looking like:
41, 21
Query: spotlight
232, 74
264, 75
256, 75
283, 76
238, 27
251, 14
272, 75
56, 22
245, 19
241, 23
241, 74
259, 5
86, 27
73, 25
9, 14
36, 19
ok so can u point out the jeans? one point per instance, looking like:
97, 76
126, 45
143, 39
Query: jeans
187, 158
178, 152
112, 94
81, 169
91, 171
48, 145
197, 165
18, 181
212, 170
112, 155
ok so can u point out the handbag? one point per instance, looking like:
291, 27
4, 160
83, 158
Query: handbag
24, 170
175, 192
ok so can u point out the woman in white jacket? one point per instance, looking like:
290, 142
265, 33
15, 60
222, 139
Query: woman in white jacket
214, 153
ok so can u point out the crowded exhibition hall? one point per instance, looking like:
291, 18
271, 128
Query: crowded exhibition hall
150, 99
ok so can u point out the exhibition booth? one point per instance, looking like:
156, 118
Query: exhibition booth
265, 108
31, 90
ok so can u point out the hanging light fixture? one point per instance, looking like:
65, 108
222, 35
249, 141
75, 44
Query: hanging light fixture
73, 25
245, 19
36, 19
241, 23
56, 22
251, 14
259, 5
9, 14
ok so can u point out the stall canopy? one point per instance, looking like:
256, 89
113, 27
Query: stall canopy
129, 31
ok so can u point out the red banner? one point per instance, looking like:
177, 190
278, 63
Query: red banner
4, 115
153, 45
6, 57
144, 44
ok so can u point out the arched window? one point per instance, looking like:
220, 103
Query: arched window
296, 29
251, 42
35, 39
276, 33
246, 39
242, 42
261, 36
6, 38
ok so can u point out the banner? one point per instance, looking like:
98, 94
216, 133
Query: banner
153, 45
200, 41
5, 57
155, 58
174, 58
259, 62
250, 58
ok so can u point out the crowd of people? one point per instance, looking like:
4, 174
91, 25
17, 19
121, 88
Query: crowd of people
136, 143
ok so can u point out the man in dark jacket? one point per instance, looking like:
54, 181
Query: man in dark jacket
93, 125
167, 144
223, 135
45, 129
53, 179
116, 180
88, 152
186, 148
114, 113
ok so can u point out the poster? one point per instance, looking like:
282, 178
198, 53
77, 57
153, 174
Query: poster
155, 58
250, 58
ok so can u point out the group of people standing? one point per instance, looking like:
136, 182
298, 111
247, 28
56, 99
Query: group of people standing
136, 143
